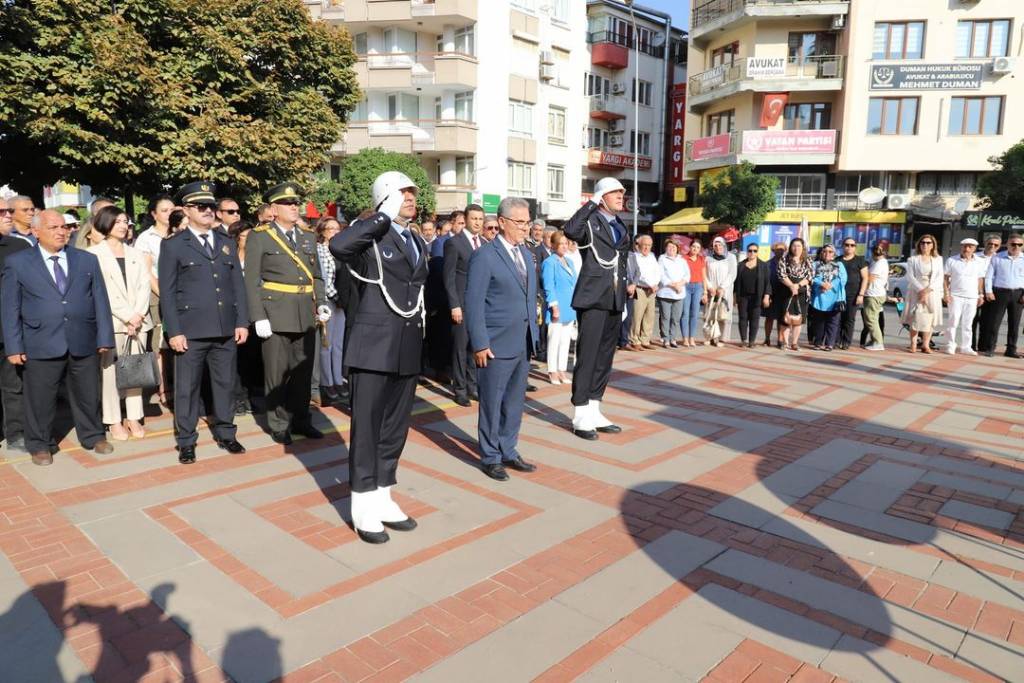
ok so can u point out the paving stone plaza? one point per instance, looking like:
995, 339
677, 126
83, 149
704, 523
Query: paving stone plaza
762, 517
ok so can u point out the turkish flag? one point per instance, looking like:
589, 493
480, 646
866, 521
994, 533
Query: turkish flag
730, 234
771, 109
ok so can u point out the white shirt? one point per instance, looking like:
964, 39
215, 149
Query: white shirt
148, 242
576, 257
514, 252
879, 268
673, 270
61, 255
401, 236
964, 276
648, 272
205, 238
470, 237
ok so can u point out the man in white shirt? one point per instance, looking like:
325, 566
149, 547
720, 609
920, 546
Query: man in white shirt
964, 284
644, 277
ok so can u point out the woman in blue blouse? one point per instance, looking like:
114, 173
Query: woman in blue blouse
558, 276
828, 291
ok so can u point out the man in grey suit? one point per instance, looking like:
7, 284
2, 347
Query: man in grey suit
500, 303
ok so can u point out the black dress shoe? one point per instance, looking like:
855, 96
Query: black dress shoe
231, 445
283, 438
588, 434
407, 524
531, 388
308, 431
610, 429
186, 455
519, 465
495, 471
462, 400
374, 537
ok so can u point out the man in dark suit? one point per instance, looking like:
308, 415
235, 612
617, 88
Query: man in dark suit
501, 316
540, 252
457, 251
599, 299
202, 296
57, 322
10, 374
382, 349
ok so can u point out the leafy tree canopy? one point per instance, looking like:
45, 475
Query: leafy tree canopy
740, 197
360, 170
242, 92
1003, 188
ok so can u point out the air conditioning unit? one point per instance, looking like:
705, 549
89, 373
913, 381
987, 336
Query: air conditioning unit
547, 72
838, 22
543, 208
898, 201
547, 57
618, 88
1003, 65
615, 139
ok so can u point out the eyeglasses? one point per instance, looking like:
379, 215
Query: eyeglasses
200, 207
518, 224
234, 212
992, 244
927, 242
753, 251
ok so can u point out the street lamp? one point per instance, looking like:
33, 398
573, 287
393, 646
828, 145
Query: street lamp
636, 117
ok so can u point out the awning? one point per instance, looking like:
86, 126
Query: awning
688, 220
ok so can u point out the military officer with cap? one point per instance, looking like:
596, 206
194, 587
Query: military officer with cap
204, 316
599, 300
286, 301
388, 262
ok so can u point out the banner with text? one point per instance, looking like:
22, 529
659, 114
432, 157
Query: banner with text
952, 76
789, 141
678, 142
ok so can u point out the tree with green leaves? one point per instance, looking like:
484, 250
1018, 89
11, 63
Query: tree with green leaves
360, 170
739, 196
1002, 189
141, 95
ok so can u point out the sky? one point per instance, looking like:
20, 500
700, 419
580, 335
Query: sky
679, 9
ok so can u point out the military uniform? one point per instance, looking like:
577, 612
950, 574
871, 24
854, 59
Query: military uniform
284, 286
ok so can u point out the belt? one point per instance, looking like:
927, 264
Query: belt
287, 289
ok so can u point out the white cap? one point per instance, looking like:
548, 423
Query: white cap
606, 185
969, 240
388, 182
69, 219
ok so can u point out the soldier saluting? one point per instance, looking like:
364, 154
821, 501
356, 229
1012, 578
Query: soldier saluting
382, 351
286, 301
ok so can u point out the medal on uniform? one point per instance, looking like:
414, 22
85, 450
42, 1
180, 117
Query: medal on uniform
225, 250
387, 253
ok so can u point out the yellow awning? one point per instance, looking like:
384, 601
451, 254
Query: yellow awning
690, 219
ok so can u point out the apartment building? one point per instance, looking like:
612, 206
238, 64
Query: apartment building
837, 96
502, 97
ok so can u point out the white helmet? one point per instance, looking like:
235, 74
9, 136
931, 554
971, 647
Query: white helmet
606, 185
388, 182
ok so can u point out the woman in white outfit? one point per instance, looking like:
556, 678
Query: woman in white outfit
719, 279
923, 312
675, 275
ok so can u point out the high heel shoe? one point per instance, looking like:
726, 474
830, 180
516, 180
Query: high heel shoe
136, 430
118, 433
554, 378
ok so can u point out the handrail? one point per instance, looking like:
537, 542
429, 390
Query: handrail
818, 66
624, 41
710, 10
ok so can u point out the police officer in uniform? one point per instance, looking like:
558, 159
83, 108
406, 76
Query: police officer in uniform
599, 299
382, 349
286, 302
204, 316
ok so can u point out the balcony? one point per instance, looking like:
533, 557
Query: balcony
607, 108
449, 198
430, 15
447, 136
709, 16
406, 70
766, 147
766, 74
600, 159
327, 10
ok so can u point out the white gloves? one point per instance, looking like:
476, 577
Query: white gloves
596, 197
392, 204
263, 330
323, 313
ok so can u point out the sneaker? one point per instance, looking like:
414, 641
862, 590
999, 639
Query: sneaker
875, 347
969, 352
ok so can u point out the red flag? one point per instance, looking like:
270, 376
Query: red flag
772, 108
730, 234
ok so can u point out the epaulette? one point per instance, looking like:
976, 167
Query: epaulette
262, 227
307, 229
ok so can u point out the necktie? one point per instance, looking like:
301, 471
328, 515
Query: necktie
206, 246
615, 229
291, 239
410, 248
520, 266
476, 242
59, 277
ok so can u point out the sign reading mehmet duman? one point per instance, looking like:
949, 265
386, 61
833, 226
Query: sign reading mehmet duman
955, 76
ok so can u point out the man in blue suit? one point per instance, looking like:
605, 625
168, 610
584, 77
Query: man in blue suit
501, 317
56, 322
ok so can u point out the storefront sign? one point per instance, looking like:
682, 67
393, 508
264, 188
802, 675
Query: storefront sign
766, 67
489, 202
677, 147
599, 157
789, 141
992, 219
953, 76
710, 147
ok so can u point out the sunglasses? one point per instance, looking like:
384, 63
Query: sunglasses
927, 242
200, 207
6, 212
230, 211
752, 251
849, 244
1017, 244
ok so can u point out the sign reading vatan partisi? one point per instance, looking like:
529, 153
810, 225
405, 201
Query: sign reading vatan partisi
992, 219
952, 76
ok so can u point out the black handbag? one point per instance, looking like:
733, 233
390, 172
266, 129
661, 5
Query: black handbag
136, 370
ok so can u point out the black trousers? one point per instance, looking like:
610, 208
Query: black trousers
217, 357
848, 321
750, 316
249, 378
381, 408
595, 350
42, 380
1007, 304
824, 328
463, 365
11, 399
287, 377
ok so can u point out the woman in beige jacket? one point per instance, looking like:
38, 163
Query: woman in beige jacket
126, 276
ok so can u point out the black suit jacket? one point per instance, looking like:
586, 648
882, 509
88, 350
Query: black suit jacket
8, 246
379, 339
598, 287
457, 251
763, 275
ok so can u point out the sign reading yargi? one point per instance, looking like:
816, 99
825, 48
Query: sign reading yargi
956, 76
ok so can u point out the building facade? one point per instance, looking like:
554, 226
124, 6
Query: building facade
837, 96
528, 98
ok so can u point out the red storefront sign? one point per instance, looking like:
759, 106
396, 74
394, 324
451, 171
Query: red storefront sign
599, 158
677, 145
710, 147
789, 141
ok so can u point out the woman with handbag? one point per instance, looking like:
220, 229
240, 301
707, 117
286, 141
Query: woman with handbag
795, 272
828, 298
923, 312
719, 281
126, 276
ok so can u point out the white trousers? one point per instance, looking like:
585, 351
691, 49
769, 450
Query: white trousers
961, 312
559, 336
111, 396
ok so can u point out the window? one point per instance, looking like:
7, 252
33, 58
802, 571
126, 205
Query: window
898, 40
722, 122
596, 85
520, 117
597, 137
359, 43
727, 54
528, 5
438, 109
465, 171
440, 43
976, 116
946, 183
807, 116
464, 106
520, 179
403, 107
556, 125
983, 38
399, 40
804, 45
800, 191
556, 182
560, 10
892, 116
644, 140
465, 40
645, 92
360, 113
